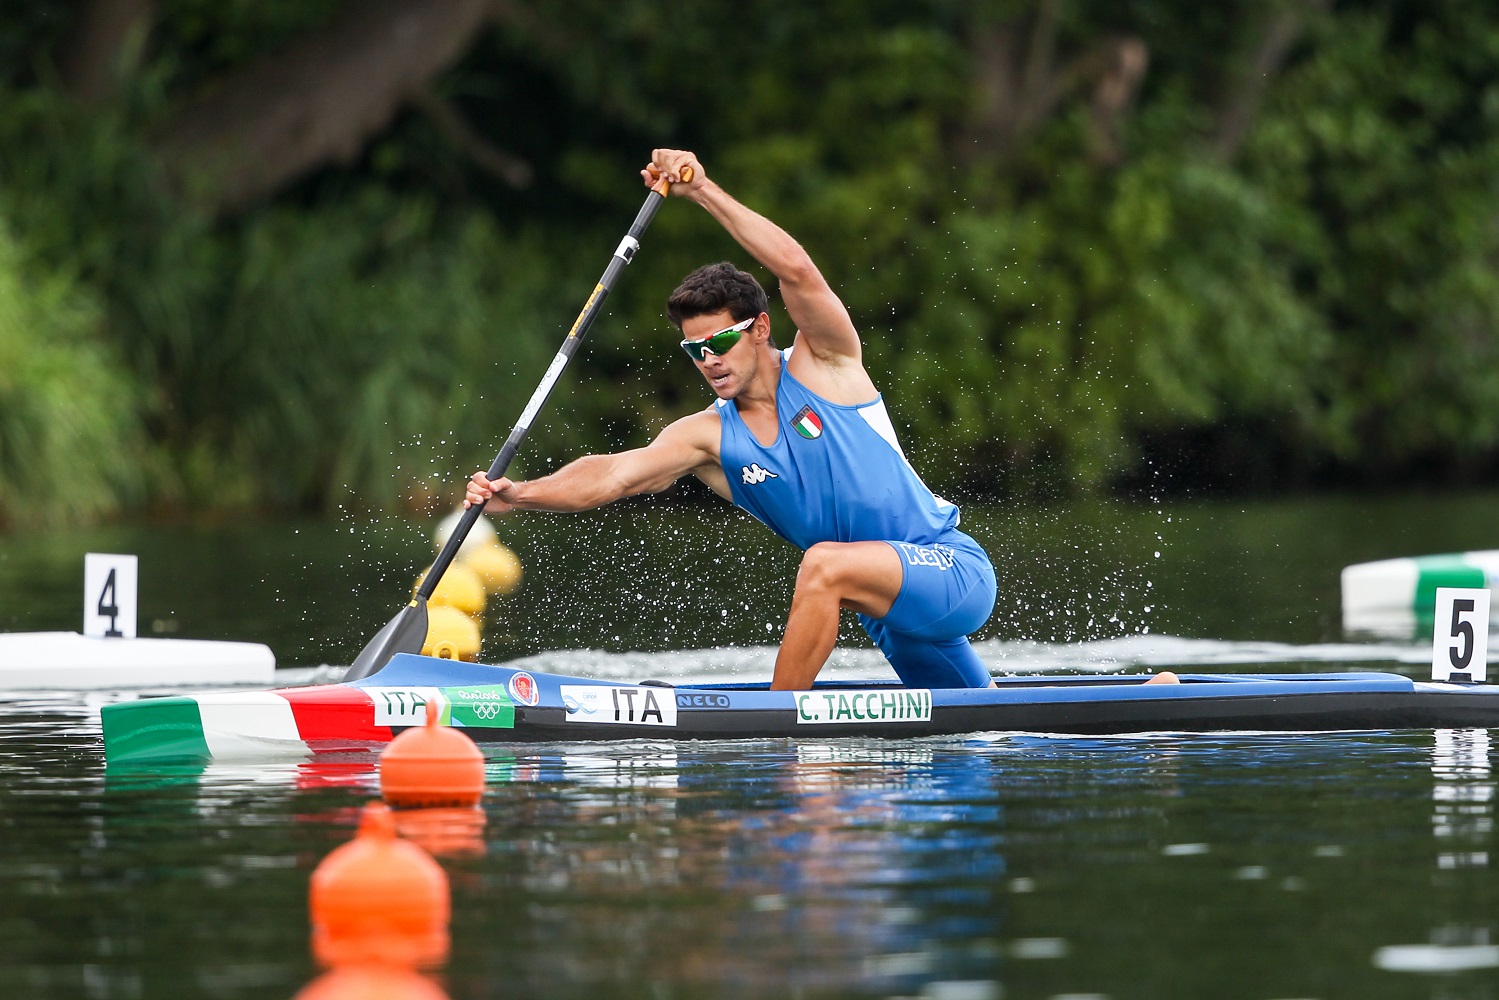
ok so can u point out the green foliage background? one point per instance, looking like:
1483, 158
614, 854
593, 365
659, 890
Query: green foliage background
1319, 307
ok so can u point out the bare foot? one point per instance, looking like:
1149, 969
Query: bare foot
1164, 677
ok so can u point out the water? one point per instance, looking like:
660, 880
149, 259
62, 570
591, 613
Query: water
993, 866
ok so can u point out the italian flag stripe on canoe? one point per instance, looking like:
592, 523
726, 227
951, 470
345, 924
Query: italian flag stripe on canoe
807, 423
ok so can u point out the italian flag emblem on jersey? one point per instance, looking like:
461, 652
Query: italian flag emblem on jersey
807, 423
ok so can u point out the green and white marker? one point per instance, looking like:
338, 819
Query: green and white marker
1397, 597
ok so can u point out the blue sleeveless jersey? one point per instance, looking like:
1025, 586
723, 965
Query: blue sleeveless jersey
834, 474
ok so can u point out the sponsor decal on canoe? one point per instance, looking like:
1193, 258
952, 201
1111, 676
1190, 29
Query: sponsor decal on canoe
897, 705
697, 699
404, 706
523, 689
807, 423
486, 706
631, 706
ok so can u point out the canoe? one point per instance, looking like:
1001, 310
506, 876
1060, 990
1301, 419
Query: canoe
58, 661
502, 705
1397, 596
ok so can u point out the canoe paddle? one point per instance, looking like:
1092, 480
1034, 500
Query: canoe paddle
407, 631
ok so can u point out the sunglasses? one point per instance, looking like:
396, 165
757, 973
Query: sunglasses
720, 342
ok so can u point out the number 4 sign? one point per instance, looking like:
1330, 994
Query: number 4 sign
1460, 648
109, 595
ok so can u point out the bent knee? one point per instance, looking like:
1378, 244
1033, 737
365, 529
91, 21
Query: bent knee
821, 567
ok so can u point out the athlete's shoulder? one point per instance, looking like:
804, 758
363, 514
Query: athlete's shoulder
696, 422
840, 380
700, 430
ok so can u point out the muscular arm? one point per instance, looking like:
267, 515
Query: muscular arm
589, 482
688, 445
824, 325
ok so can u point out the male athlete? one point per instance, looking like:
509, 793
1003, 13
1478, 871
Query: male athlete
799, 438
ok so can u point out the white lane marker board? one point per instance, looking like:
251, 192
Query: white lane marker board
1460, 642
109, 583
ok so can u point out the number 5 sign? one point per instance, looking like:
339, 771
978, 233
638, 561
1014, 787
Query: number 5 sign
1460, 647
109, 595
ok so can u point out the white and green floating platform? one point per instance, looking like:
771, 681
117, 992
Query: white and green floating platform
1397, 597
31, 661
108, 655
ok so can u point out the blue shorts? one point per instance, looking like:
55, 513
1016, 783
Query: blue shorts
946, 592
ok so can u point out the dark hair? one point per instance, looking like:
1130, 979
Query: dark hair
714, 288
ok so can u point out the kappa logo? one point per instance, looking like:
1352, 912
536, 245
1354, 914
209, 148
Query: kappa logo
940, 556
754, 475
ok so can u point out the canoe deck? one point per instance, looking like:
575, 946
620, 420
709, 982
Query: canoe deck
502, 705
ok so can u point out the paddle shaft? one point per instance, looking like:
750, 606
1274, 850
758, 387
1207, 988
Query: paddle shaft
623, 254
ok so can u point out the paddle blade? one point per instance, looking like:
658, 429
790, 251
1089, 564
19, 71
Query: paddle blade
405, 633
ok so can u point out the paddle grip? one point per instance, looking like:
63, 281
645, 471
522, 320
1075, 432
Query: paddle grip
663, 186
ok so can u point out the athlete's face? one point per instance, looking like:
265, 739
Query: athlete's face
727, 373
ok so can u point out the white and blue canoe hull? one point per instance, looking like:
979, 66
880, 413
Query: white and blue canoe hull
502, 705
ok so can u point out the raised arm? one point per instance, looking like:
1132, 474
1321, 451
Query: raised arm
687, 446
824, 327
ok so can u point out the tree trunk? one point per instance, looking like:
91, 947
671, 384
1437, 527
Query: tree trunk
1126, 61
1020, 85
104, 47
1280, 30
316, 102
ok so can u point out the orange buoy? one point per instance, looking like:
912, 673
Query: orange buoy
371, 982
434, 765
379, 899
444, 832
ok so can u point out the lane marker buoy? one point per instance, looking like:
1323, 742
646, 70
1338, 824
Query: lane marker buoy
444, 831
379, 900
451, 635
460, 587
481, 534
497, 566
433, 765
371, 982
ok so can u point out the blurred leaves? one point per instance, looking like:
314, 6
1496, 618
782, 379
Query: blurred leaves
71, 445
1041, 317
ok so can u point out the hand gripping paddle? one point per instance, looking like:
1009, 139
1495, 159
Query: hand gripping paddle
407, 631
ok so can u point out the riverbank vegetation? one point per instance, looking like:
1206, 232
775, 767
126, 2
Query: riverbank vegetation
296, 256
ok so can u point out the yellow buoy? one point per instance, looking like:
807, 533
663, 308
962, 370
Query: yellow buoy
480, 535
451, 635
496, 565
460, 587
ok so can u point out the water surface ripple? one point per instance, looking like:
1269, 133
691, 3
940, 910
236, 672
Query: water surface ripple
998, 865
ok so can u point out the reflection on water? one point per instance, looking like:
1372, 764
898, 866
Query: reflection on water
1462, 817
1462, 824
1236, 866
999, 866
